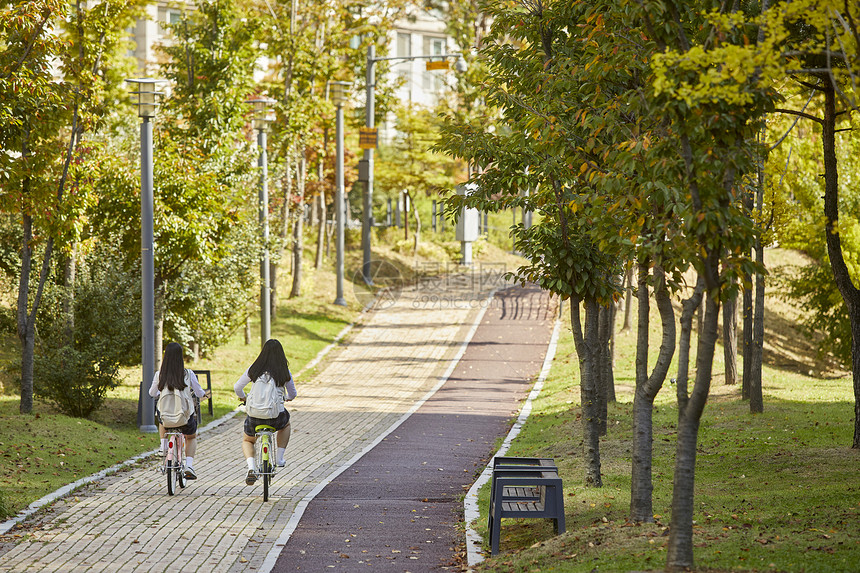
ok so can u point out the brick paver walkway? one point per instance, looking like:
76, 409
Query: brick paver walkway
127, 522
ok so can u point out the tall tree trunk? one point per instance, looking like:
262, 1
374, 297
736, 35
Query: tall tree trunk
755, 389
283, 231
747, 317
628, 298
700, 319
730, 339
27, 311
747, 340
321, 213
601, 407
757, 350
416, 237
607, 334
587, 349
69, 276
688, 311
406, 214
610, 394
679, 555
606, 382
850, 293
298, 227
647, 387
26, 328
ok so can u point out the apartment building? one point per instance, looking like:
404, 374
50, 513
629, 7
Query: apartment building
417, 34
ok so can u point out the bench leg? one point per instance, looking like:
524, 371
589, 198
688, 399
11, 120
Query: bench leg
495, 523
559, 526
494, 535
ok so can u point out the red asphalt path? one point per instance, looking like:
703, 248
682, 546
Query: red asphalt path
399, 508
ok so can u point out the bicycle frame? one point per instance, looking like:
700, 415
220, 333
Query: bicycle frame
174, 461
265, 468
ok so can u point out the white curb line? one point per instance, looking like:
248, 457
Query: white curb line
470, 503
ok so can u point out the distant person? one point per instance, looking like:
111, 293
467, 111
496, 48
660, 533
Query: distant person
173, 376
272, 385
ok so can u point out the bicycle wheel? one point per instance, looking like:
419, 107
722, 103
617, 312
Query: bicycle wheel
267, 475
171, 487
180, 475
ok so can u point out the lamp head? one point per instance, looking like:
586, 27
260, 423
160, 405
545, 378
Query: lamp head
460, 65
338, 92
262, 111
147, 95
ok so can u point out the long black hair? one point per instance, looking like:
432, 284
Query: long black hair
172, 371
272, 360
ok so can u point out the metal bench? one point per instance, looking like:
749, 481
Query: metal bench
524, 487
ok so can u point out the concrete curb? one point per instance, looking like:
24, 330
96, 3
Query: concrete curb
470, 502
67, 489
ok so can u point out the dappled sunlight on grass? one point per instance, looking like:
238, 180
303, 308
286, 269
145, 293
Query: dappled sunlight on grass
772, 489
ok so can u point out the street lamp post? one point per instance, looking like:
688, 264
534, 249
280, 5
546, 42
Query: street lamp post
338, 96
147, 102
262, 118
369, 122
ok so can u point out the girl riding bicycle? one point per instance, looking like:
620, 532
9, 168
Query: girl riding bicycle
174, 376
270, 368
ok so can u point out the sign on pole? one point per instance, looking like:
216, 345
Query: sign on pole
438, 65
367, 138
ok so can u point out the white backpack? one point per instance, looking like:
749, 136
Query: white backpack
262, 401
175, 407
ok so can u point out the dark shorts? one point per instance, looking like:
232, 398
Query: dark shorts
188, 429
278, 423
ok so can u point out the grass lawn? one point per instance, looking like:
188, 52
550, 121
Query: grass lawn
777, 491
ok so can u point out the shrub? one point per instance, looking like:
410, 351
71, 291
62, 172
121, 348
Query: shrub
77, 363
74, 380
432, 251
8, 321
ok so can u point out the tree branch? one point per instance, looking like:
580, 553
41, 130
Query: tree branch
14, 68
801, 114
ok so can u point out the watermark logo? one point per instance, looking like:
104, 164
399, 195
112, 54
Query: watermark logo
432, 285
382, 282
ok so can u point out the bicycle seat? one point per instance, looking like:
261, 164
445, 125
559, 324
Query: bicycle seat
264, 428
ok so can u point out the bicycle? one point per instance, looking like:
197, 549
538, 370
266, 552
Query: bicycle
174, 461
265, 437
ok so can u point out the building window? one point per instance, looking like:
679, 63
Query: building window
404, 68
433, 46
404, 45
